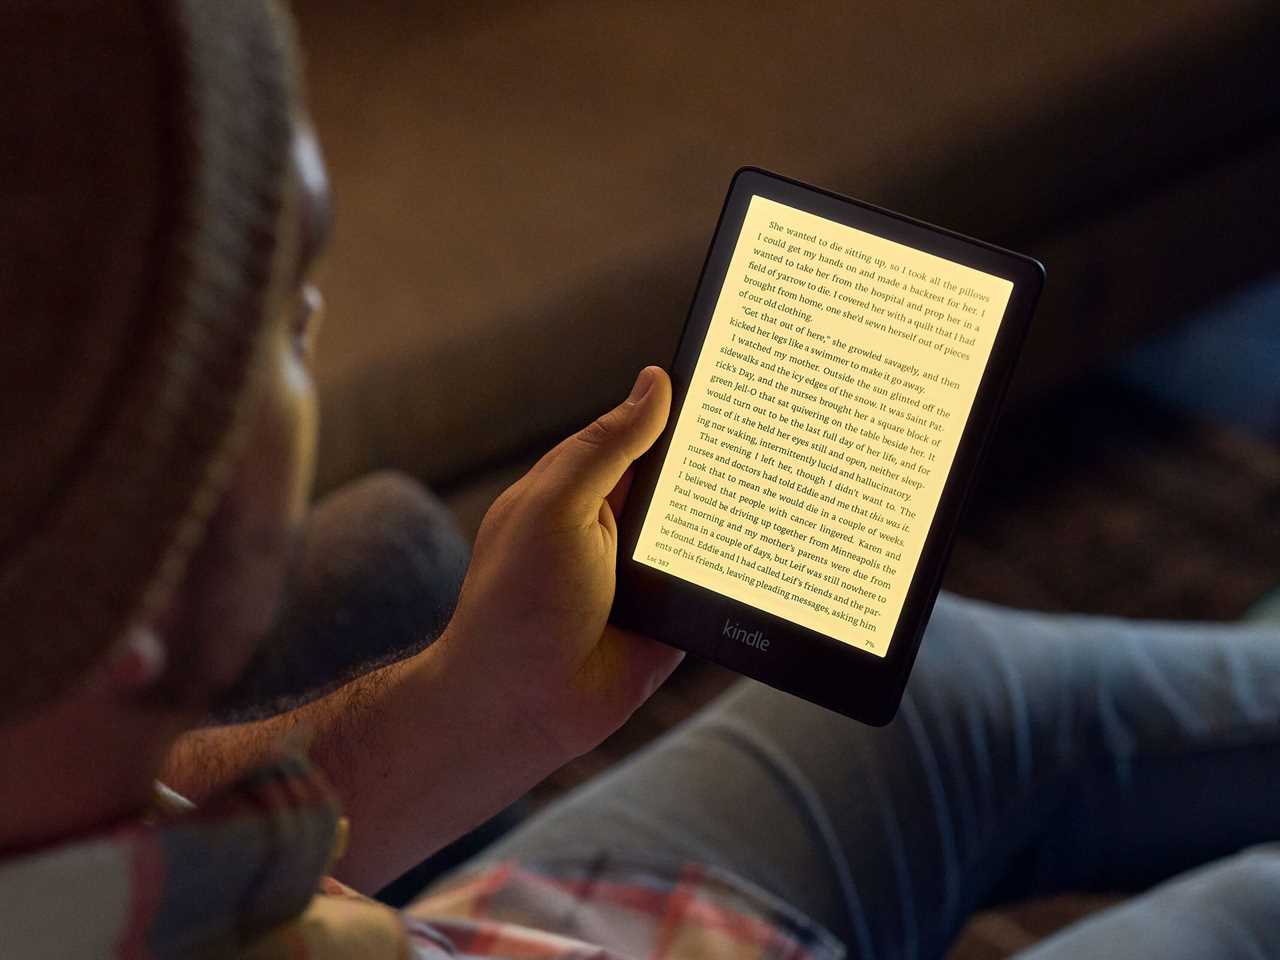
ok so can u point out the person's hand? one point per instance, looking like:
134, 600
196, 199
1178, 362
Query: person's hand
530, 633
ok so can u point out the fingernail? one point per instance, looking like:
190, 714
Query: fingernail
643, 383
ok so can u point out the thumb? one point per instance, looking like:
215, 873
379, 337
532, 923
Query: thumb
593, 460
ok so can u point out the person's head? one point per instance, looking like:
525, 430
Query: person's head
161, 202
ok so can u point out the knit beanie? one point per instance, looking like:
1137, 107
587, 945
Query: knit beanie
144, 236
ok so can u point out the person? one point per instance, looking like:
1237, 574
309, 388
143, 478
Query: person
164, 202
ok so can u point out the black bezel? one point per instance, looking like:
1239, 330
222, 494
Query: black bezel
801, 661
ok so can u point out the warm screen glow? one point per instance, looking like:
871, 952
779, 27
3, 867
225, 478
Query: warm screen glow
821, 422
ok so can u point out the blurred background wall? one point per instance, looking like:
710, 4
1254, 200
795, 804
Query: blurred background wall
525, 190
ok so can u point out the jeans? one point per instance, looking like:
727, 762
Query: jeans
1032, 754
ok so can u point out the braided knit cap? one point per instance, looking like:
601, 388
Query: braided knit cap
144, 197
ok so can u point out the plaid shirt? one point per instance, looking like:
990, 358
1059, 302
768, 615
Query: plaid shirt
243, 876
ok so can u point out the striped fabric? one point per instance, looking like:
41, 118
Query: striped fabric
611, 907
243, 876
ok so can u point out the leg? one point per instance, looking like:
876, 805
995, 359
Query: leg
1032, 753
1225, 911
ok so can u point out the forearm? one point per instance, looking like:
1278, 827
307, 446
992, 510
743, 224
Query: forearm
415, 754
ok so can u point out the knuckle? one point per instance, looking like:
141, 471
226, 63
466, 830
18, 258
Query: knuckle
503, 504
600, 432
595, 434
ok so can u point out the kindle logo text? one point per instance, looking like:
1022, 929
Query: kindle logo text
752, 638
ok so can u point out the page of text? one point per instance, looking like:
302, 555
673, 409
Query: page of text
820, 425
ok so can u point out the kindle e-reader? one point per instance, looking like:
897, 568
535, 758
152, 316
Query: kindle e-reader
840, 371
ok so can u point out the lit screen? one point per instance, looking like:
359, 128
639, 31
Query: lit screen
820, 425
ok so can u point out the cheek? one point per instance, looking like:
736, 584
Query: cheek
254, 536
299, 419
279, 459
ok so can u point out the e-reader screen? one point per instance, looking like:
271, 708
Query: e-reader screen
819, 426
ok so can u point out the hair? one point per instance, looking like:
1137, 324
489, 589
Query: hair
144, 243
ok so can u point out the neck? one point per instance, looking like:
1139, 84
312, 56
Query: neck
78, 766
